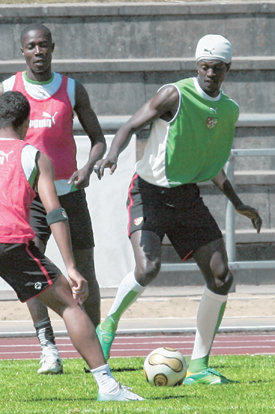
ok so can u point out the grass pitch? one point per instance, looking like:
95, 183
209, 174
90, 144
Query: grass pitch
23, 391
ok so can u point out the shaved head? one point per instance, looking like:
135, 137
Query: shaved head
33, 27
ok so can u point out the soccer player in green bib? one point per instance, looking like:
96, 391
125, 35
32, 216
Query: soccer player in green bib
192, 125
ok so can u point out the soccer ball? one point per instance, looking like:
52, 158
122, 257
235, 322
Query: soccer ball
165, 367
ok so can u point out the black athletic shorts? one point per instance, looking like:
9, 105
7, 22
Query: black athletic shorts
179, 212
26, 269
80, 223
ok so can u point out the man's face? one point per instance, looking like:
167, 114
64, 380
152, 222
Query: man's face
211, 75
37, 49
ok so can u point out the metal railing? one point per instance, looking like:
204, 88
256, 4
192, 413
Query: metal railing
230, 222
113, 123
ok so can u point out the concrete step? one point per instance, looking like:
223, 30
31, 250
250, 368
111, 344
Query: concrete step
144, 56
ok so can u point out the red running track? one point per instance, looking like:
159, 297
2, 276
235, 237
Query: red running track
131, 346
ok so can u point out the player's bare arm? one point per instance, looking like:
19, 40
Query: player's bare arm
225, 186
60, 229
91, 126
163, 105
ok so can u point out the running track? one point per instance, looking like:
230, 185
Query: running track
130, 346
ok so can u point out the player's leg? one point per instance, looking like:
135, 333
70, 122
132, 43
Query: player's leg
143, 217
30, 273
59, 298
197, 234
81, 230
147, 251
212, 261
50, 361
83, 336
84, 259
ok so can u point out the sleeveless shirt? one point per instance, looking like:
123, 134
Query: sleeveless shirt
16, 194
51, 127
195, 144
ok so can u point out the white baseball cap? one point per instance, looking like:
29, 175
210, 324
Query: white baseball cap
214, 47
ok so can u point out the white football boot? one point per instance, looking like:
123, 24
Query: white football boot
50, 361
121, 394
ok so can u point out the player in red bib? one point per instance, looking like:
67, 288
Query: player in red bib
53, 99
23, 171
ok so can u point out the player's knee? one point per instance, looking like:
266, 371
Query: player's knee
222, 281
147, 272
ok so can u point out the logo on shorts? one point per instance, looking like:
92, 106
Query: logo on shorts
38, 286
211, 122
137, 221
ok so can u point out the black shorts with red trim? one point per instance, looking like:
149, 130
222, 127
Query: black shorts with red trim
178, 212
78, 214
26, 269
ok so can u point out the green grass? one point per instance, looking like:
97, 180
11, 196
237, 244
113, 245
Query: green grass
23, 391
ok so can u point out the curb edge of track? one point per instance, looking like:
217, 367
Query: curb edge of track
152, 331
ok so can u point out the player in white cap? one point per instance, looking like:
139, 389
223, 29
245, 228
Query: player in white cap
214, 47
192, 130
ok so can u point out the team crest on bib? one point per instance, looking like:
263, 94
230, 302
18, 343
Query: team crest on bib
211, 122
137, 221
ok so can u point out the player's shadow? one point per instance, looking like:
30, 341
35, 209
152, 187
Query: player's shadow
125, 369
87, 371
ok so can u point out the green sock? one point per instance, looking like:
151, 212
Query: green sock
197, 365
109, 325
127, 293
209, 317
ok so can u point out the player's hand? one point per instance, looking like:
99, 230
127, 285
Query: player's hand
80, 178
252, 214
107, 162
79, 286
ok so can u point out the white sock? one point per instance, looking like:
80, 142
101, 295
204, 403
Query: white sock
209, 316
105, 380
128, 291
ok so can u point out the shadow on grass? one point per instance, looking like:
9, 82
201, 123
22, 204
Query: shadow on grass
126, 369
172, 397
87, 371
57, 399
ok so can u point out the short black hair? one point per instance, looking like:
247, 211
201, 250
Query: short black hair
36, 26
14, 109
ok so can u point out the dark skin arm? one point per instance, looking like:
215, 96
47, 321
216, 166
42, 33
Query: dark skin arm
163, 105
225, 186
91, 126
61, 231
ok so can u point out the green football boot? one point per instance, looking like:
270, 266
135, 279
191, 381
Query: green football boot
105, 339
206, 376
